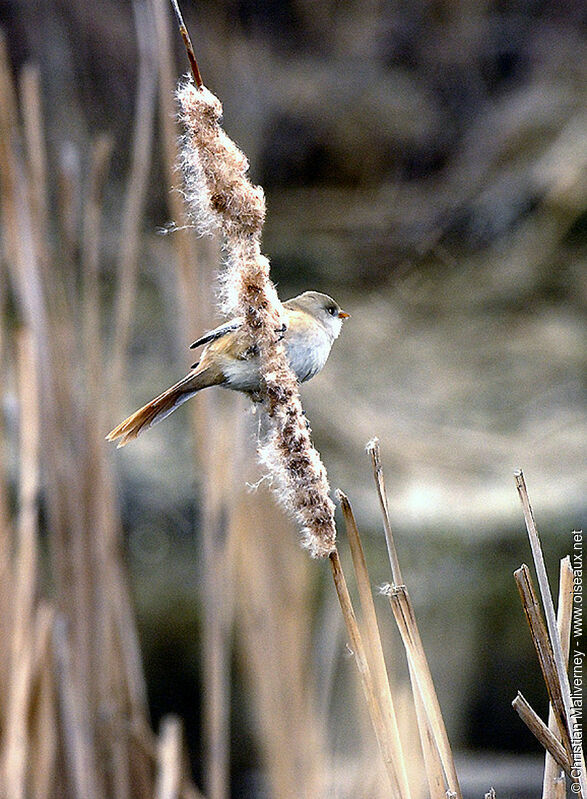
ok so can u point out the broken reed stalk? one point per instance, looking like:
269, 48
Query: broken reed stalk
360, 655
374, 450
540, 731
555, 641
393, 755
546, 735
438, 759
439, 764
551, 781
405, 618
543, 649
432, 760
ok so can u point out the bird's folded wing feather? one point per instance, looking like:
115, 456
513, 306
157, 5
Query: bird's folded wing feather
218, 332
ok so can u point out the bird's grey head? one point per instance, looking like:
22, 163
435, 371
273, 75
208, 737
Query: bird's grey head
323, 308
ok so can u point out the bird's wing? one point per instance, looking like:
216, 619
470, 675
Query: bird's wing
218, 332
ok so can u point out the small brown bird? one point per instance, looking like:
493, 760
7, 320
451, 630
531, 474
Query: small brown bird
313, 321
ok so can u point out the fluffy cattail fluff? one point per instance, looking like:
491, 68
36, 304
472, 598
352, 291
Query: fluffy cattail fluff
221, 198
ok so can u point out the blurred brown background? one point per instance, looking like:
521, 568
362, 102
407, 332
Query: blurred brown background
424, 163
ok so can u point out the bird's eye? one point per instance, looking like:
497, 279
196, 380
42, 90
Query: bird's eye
332, 310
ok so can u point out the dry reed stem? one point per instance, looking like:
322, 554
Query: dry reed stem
540, 731
8, 131
81, 501
44, 727
6, 538
218, 600
100, 156
186, 255
18, 236
393, 746
560, 787
367, 682
68, 207
4, 514
561, 671
543, 648
16, 742
120, 704
91, 622
8, 109
133, 702
193, 279
30, 92
136, 191
374, 450
106, 718
275, 638
403, 612
169, 759
188, 45
78, 754
408, 724
551, 781
435, 771
89, 719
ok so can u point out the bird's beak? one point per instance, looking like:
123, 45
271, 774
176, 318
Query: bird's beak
343, 315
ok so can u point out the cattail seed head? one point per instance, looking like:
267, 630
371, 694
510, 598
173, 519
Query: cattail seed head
220, 197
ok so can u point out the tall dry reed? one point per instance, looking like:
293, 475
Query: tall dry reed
73, 701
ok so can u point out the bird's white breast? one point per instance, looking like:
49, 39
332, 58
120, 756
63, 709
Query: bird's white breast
308, 352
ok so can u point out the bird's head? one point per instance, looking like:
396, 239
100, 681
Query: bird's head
322, 308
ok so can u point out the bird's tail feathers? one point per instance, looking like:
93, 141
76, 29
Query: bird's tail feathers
159, 408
